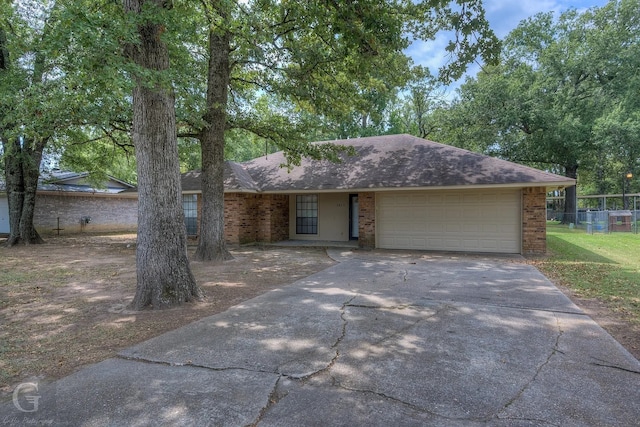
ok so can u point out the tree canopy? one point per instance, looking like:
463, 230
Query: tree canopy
78, 77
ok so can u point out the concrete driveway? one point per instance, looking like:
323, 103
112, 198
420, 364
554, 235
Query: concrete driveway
379, 339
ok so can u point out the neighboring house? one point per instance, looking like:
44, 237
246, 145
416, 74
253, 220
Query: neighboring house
397, 192
67, 200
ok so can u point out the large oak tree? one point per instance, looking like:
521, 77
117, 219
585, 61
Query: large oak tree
164, 277
340, 61
23, 88
60, 75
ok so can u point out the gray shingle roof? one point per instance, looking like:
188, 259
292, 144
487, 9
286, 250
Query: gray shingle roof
75, 182
382, 162
236, 179
397, 161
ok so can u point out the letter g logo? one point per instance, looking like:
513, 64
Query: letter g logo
24, 389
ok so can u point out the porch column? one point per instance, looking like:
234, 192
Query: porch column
272, 218
233, 210
367, 220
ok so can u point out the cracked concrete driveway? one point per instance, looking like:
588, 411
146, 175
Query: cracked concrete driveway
381, 338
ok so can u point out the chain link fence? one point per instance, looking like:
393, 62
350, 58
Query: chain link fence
611, 221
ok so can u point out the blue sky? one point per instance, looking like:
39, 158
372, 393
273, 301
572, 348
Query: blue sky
504, 16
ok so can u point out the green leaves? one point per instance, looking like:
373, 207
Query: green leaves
324, 67
340, 62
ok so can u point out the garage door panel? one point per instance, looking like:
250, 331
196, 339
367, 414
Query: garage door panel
434, 227
481, 221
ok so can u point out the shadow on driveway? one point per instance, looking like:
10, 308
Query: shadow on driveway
381, 338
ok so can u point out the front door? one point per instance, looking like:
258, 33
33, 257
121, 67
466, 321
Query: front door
353, 217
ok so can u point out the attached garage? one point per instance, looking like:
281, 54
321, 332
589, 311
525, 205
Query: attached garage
458, 220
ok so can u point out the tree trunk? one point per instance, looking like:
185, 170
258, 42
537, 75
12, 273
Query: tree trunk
164, 278
211, 241
570, 207
22, 170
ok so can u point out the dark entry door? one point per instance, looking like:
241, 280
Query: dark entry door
353, 217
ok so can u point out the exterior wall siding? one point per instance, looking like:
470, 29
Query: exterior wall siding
367, 220
333, 218
534, 221
107, 213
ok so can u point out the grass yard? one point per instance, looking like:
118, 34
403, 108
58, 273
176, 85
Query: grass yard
605, 267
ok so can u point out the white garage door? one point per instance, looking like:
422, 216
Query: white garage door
475, 221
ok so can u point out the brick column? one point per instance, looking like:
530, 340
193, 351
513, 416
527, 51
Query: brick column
273, 218
534, 221
367, 220
279, 217
233, 209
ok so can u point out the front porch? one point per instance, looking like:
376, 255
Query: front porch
351, 244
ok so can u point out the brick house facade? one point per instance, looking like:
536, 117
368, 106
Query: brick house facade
253, 218
77, 212
409, 193
367, 220
68, 202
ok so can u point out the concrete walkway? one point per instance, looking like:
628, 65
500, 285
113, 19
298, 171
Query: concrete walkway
379, 339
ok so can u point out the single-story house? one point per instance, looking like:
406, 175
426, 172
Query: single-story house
396, 192
69, 202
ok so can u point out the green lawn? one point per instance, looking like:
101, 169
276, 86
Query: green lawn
602, 266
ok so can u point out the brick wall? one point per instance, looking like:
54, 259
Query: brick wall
367, 220
255, 218
239, 227
109, 213
534, 221
273, 218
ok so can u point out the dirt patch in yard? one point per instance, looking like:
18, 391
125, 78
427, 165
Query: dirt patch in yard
63, 304
617, 323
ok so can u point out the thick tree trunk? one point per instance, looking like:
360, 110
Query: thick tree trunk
570, 207
22, 170
164, 278
211, 241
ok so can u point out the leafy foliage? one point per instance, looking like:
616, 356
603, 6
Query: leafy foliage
324, 68
564, 97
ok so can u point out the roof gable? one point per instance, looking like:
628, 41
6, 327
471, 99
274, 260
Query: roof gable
382, 162
76, 182
58, 180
